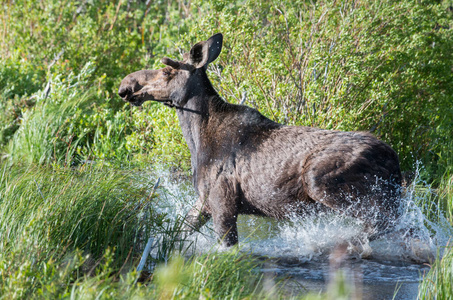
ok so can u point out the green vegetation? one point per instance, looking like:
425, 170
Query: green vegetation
74, 228
382, 66
79, 234
438, 283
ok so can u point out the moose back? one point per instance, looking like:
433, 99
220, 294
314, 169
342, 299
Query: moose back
245, 163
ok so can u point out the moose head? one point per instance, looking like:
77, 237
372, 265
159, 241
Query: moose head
170, 84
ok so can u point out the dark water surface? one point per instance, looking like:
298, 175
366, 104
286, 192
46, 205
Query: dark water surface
369, 279
311, 256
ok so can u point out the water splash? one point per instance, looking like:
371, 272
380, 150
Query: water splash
304, 248
419, 234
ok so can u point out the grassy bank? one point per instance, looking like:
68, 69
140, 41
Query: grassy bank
438, 283
79, 234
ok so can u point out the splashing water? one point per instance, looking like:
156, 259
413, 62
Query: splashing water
307, 237
302, 246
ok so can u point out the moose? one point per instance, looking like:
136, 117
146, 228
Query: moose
245, 163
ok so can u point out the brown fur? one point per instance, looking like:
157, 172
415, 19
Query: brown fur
244, 163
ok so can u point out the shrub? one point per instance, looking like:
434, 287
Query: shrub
380, 66
383, 67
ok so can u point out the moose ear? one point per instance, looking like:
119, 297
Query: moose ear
203, 53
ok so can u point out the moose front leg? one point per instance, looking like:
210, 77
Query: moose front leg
225, 227
223, 204
197, 216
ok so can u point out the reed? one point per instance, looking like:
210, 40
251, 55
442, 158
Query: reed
438, 282
79, 234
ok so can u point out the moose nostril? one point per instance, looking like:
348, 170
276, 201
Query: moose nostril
123, 92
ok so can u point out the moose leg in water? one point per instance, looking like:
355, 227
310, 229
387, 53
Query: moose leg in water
197, 216
221, 203
223, 199
340, 177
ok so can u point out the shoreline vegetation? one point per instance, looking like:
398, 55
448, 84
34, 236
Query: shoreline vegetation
75, 213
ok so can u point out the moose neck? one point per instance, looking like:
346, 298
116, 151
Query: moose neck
194, 114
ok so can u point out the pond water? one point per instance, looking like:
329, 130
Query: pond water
311, 251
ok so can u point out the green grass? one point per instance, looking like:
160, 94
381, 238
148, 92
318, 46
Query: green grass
79, 234
57, 208
48, 213
438, 283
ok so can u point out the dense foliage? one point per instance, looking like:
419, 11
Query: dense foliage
379, 66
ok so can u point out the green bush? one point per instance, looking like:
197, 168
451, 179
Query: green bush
383, 67
53, 41
377, 66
